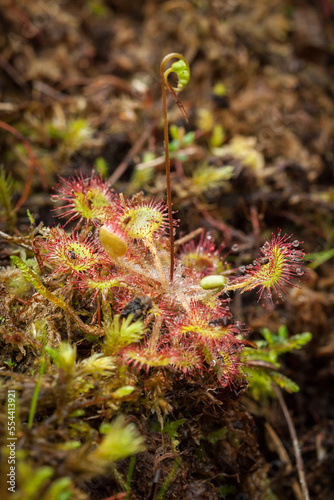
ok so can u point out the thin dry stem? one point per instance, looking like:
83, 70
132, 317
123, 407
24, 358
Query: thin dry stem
295, 443
285, 459
188, 237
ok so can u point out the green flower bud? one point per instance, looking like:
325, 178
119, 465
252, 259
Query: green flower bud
214, 281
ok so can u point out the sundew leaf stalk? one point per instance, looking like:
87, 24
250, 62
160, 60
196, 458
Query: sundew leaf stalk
280, 261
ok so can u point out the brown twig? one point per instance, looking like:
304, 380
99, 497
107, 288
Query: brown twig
295, 443
284, 458
15, 240
188, 237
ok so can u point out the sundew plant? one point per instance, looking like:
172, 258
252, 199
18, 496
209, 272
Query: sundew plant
113, 270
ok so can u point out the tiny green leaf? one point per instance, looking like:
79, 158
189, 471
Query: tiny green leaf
123, 391
284, 382
171, 428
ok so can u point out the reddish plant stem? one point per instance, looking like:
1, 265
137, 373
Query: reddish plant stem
167, 162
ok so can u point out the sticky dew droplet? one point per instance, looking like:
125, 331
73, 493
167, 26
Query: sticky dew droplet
295, 243
235, 248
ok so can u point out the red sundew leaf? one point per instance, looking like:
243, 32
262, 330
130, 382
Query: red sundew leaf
279, 263
68, 253
95, 282
201, 258
203, 325
146, 357
189, 358
141, 220
86, 198
225, 363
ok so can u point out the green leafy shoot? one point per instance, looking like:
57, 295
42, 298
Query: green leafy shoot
119, 334
121, 440
96, 364
64, 357
206, 177
320, 258
11, 364
281, 343
101, 167
171, 428
73, 134
180, 138
31, 219
60, 489
284, 382
36, 480
268, 351
217, 435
